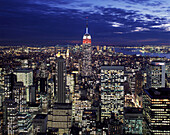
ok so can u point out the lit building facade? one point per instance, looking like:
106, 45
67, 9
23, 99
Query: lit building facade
24, 123
156, 111
2, 88
78, 108
112, 91
9, 81
25, 76
89, 122
156, 75
19, 95
70, 84
11, 117
59, 118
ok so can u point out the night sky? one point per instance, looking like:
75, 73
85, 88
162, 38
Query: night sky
111, 22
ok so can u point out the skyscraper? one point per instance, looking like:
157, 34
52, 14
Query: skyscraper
32, 95
11, 117
9, 81
19, 96
156, 111
156, 75
133, 120
59, 120
112, 91
60, 80
25, 76
86, 67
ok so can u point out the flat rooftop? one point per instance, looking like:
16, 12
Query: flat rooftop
160, 93
112, 67
24, 70
133, 110
62, 106
40, 116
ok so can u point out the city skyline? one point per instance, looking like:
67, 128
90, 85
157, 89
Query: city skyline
84, 90
119, 22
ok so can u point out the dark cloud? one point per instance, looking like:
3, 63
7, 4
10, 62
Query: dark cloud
85, 5
152, 3
55, 2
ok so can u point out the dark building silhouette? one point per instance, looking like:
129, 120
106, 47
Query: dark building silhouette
43, 85
60, 80
40, 123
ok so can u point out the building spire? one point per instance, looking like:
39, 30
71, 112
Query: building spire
87, 25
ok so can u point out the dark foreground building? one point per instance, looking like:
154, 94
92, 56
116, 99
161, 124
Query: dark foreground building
156, 111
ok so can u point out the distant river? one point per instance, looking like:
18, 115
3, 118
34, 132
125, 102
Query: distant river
133, 51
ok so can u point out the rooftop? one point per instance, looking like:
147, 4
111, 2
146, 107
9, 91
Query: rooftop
63, 106
24, 70
160, 93
112, 67
40, 116
132, 110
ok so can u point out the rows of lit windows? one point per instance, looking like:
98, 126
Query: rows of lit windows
157, 109
160, 99
159, 105
156, 102
120, 72
167, 131
161, 124
159, 117
161, 112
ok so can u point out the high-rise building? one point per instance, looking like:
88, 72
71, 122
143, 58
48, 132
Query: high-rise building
167, 69
43, 85
2, 89
32, 95
86, 67
156, 75
40, 123
78, 107
60, 81
59, 119
67, 57
19, 96
43, 74
1, 122
10, 117
9, 81
112, 91
139, 82
70, 84
24, 123
156, 111
133, 120
89, 122
25, 76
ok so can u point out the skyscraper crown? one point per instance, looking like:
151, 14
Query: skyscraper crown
87, 36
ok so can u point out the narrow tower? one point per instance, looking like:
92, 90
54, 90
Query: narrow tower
86, 67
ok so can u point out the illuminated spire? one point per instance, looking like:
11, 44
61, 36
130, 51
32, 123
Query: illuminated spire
87, 25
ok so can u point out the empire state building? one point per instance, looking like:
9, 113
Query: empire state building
86, 66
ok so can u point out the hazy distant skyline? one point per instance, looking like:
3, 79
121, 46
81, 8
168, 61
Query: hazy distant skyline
111, 22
